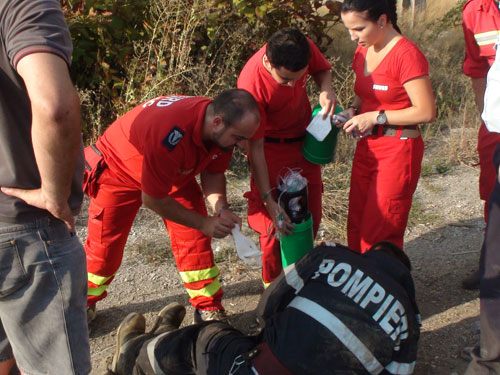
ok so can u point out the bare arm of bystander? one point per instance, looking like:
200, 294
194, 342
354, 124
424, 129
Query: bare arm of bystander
56, 133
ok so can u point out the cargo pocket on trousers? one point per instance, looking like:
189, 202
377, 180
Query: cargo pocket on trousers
95, 222
13, 276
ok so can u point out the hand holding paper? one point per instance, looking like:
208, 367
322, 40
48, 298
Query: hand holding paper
319, 128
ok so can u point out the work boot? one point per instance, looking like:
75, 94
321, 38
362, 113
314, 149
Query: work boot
129, 339
169, 318
201, 316
91, 313
471, 282
466, 353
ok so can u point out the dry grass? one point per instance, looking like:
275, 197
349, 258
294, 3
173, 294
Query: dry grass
336, 181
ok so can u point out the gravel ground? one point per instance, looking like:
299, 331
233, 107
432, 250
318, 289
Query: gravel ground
443, 250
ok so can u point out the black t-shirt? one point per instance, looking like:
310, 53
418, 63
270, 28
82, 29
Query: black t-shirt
26, 27
339, 312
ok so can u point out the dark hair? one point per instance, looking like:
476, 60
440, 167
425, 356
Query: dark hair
374, 9
391, 249
231, 105
288, 48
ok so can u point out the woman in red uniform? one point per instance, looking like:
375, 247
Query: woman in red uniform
393, 96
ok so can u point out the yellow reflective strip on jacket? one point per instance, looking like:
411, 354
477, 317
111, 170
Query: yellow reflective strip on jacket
207, 291
97, 291
488, 37
205, 274
97, 280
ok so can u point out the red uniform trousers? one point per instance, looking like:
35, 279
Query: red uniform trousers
280, 157
486, 143
384, 176
111, 214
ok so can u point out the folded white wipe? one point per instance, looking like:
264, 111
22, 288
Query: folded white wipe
247, 249
319, 128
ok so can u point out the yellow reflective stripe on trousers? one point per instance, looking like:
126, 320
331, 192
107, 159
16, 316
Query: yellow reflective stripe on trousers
199, 275
207, 291
488, 37
97, 291
96, 279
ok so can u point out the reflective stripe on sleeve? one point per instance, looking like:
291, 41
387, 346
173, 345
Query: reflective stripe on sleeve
198, 275
341, 331
488, 37
292, 278
207, 291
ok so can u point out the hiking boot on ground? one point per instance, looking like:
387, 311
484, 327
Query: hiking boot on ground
201, 316
471, 282
91, 313
169, 318
129, 339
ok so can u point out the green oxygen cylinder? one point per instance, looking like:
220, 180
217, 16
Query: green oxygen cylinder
321, 152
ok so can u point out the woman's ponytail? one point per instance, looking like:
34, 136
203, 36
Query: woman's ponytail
392, 13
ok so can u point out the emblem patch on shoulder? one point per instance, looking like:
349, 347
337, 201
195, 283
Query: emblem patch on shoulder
173, 138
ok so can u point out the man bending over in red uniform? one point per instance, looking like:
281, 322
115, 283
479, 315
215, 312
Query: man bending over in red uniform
152, 155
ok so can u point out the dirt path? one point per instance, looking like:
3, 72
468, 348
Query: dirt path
443, 250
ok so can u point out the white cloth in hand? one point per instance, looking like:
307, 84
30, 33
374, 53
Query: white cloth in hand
247, 249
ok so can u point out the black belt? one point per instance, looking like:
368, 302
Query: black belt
283, 140
410, 131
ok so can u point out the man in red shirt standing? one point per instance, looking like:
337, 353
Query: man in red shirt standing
277, 75
481, 25
152, 155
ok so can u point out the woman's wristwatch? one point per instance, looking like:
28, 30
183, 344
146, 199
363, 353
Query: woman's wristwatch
381, 118
354, 108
